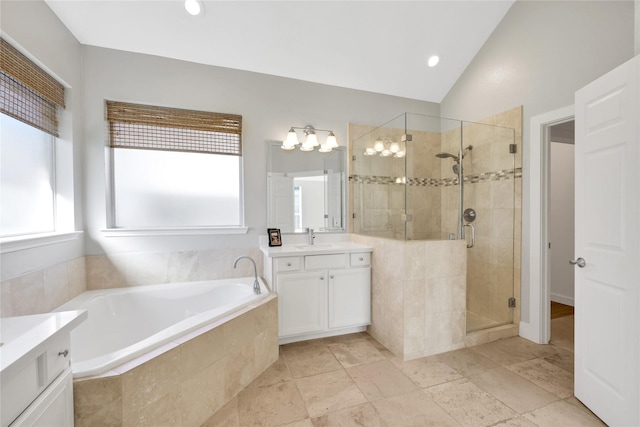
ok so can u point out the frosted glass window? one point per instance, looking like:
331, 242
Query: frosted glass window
26, 176
172, 189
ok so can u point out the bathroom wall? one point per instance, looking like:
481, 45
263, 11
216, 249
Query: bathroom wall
269, 106
37, 277
538, 56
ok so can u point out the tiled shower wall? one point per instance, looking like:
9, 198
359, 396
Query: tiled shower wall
44, 290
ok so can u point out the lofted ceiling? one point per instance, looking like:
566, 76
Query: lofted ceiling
376, 46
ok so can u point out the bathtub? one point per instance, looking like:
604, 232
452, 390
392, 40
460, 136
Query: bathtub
125, 323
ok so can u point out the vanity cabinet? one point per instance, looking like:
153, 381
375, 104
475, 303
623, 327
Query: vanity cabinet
321, 295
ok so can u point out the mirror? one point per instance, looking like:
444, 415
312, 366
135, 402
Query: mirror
305, 189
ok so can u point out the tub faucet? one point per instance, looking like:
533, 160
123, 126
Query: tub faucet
256, 285
311, 236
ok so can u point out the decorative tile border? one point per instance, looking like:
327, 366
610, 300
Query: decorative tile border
435, 182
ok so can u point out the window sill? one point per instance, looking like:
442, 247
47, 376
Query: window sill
18, 243
136, 232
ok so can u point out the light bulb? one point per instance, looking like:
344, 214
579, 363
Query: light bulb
312, 139
394, 147
194, 7
292, 138
306, 146
332, 141
325, 148
369, 151
286, 146
399, 154
385, 153
433, 61
379, 145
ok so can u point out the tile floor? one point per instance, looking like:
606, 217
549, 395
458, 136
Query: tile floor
352, 380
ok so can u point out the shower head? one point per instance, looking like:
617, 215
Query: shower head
445, 155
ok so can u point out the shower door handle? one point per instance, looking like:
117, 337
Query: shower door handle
473, 235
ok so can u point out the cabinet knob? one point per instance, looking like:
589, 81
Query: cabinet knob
361, 259
331, 277
64, 353
288, 264
321, 277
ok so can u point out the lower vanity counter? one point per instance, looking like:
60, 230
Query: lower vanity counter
323, 290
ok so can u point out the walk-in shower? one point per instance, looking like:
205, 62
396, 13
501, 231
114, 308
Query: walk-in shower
422, 196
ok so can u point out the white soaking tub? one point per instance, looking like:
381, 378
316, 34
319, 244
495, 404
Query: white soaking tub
125, 323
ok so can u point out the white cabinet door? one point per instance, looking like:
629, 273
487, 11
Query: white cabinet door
302, 302
349, 297
54, 407
607, 287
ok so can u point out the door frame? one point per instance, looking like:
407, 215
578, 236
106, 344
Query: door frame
538, 329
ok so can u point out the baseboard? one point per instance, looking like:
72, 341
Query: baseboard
562, 299
527, 331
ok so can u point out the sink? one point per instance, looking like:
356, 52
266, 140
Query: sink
316, 246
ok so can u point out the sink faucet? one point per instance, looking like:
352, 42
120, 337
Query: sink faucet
256, 285
311, 236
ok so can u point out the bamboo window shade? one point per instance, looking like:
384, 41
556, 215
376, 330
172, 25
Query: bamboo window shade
172, 129
27, 92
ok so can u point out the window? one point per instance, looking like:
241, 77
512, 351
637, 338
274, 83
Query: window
174, 168
29, 102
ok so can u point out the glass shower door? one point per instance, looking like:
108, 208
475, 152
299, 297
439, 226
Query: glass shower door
489, 190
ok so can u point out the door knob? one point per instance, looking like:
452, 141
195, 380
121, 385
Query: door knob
580, 262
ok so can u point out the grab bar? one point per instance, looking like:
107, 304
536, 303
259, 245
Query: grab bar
473, 235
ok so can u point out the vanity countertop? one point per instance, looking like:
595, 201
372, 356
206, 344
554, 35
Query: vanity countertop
315, 249
24, 335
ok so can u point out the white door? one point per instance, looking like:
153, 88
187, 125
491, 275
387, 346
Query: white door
607, 323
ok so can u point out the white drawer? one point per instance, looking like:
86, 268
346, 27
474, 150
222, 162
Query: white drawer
362, 259
292, 263
312, 262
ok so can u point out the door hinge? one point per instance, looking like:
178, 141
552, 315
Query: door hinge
512, 302
513, 148
353, 215
407, 217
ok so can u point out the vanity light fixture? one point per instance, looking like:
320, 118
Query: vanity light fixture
380, 148
311, 140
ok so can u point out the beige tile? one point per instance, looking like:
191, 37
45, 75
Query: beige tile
103, 272
563, 414
302, 423
328, 392
6, 301
164, 411
563, 359
469, 404
545, 375
227, 416
427, 372
466, 361
513, 390
516, 422
77, 272
56, 285
310, 361
508, 351
414, 409
278, 372
381, 379
198, 405
28, 295
98, 402
270, 405
363, 415
357, 353
202, 351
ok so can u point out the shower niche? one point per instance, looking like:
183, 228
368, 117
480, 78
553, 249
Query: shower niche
427, 179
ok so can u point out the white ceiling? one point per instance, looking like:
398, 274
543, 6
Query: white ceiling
377, 46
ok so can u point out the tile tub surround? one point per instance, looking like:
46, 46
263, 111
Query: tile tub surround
148, 268
354, 380
185, 382
418, 295
43, 290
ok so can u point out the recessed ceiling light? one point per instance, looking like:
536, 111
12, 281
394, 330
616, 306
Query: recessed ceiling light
433, 61
194, 7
